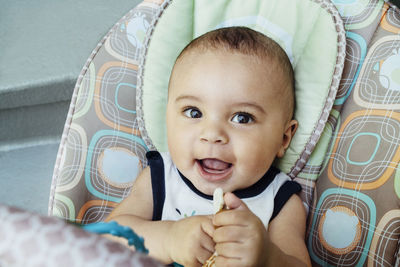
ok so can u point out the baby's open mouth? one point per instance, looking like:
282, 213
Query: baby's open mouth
214, 169
214, 165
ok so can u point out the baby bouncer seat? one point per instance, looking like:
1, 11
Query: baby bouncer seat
346, 57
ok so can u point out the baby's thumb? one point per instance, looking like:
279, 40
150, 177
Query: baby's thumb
233, 202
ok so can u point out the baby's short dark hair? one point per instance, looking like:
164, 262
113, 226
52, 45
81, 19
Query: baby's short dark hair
246, 41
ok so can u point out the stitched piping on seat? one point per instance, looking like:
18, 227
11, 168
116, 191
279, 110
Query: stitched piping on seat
139, 88
68, 122
337, 73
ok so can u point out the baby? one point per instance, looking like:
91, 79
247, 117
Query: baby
229, 115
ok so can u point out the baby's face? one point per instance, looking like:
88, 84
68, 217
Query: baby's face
225, 123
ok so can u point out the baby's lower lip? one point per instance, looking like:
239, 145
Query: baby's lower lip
213, 175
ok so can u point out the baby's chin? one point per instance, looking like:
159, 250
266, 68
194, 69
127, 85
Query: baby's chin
209, 189
205, 189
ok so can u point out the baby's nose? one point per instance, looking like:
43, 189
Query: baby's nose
214, 133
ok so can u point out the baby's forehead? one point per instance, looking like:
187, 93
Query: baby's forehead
197, 53
258, 69
269, 66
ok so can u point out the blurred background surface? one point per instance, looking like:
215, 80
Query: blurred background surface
43, 46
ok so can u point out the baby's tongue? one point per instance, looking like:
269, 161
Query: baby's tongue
215, 164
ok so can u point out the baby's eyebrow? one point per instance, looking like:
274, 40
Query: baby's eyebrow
250, 105
187, 97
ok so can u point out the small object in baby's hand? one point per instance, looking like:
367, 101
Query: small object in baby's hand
218, 201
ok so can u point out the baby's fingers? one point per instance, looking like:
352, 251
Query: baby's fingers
233, 202
222, 261
203, 255
208, 244
231, 217
230, 233
235, 254
208, 227
229, 250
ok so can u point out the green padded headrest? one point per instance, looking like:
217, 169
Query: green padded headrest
311, 33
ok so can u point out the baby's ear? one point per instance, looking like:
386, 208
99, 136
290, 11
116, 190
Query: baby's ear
290, 130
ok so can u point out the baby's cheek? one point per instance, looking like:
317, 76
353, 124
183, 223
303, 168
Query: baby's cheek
256, 165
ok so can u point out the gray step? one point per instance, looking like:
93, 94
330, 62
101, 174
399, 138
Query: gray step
45, 43
32, 122
25, 175
43, 46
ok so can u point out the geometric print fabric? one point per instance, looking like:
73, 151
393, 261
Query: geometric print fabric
355, 184
358, 190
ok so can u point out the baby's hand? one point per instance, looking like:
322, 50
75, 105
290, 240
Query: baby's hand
240, 235
189, 240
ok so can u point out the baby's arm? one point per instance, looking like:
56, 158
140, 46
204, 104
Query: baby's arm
242, 240
185, 241
287, 234
136, 211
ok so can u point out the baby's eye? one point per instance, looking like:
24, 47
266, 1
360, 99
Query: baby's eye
193, 113
242, 118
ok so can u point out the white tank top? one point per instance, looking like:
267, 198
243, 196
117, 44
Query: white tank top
182, 199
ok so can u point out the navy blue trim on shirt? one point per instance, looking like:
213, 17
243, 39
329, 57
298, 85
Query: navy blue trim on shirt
284, 193
156, 164
250, 191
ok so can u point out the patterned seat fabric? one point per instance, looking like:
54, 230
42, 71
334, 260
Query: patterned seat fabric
355, 217
354, 204
102, 125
